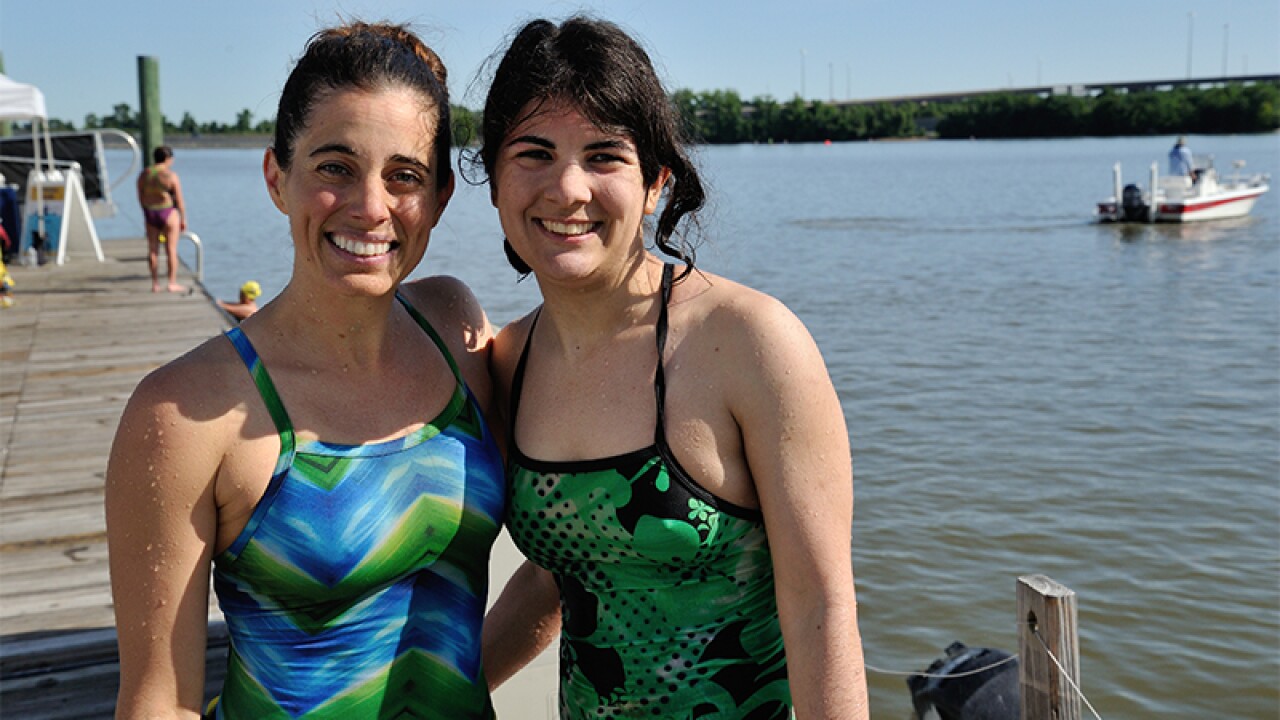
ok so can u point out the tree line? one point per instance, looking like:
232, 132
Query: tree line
723, 117
1233, 108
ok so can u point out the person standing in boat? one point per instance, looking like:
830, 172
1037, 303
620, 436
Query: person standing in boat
678, 460
164, 214
1181, 162
328, 457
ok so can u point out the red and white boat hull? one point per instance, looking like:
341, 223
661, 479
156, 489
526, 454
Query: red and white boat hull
1228, 205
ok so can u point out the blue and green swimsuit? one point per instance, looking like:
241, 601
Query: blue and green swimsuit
357, 589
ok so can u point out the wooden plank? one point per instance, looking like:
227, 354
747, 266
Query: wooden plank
75, 676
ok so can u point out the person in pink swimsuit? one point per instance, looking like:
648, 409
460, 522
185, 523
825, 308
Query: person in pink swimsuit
164, 213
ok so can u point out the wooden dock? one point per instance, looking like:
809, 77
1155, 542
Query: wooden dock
78, 339
73, 346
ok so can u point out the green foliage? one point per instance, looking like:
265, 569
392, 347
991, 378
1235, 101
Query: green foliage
1233, 108
721, 116
466, 125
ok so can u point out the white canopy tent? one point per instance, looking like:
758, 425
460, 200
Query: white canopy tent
19, 101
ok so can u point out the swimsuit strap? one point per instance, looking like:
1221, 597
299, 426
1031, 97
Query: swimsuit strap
266, 388
284, 427
435, 338
660, 377
517, 380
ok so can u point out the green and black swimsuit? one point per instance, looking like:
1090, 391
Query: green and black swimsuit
666, 591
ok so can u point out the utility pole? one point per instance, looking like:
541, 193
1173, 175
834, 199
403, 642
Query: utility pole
802, 90
1226, 35
1191, 26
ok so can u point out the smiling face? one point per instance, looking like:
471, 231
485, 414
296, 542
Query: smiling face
360, 191
570, 196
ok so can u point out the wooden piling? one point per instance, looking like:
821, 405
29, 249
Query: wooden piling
1047, 624
149, 114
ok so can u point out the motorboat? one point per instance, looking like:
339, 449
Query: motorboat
1179, 199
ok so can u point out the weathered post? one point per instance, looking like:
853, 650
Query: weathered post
149, 115
1047, 624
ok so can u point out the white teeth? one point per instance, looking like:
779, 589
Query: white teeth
570, 228
361, 248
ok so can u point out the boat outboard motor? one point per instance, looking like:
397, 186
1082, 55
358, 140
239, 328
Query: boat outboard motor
990, 694
1132, 205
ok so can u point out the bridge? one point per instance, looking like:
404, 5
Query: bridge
1078, 90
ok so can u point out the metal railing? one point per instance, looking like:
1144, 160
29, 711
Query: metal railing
195, 240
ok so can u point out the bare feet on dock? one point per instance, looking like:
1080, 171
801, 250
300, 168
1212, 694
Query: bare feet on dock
155, 287
176, 288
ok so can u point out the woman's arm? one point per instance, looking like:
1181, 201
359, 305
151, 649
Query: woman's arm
797, 448
521, 624
161, 525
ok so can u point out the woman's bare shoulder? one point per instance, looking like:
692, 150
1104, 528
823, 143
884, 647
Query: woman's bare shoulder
181, 421
451, 308
510, 342
725, 311
206, 376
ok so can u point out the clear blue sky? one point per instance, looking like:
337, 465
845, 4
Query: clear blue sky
218, 58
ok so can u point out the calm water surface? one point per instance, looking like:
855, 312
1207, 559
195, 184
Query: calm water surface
1026, 392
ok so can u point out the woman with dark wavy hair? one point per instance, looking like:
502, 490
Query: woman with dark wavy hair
328, 458
678, 460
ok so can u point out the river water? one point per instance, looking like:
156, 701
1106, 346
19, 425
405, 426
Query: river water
1026, 392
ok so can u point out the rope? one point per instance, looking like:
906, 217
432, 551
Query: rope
966, 673
1065, 674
